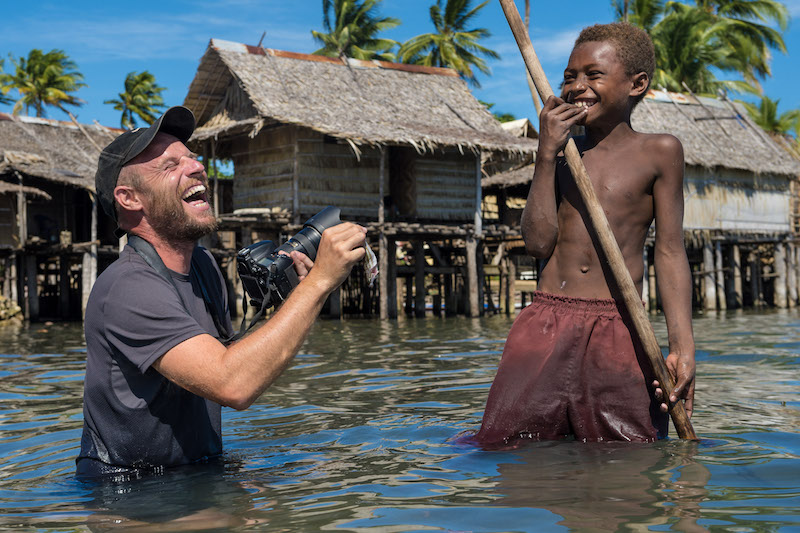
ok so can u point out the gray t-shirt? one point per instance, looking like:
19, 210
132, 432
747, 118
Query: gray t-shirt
134, 416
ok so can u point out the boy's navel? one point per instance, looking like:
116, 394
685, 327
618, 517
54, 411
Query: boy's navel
584, 269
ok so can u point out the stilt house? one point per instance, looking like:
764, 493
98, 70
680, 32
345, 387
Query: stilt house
397, 147
48, 221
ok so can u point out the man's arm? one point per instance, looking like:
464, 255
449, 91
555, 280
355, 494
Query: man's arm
237, 375
539, 221
672, 268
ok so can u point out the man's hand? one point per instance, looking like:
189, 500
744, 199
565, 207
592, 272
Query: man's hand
682, 370
302, 264
341, 247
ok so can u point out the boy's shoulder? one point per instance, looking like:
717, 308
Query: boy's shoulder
663, 142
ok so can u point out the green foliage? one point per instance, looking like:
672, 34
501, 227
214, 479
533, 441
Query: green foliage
4, 89
352, 28
43, 80
453, 45
765, 114
141, 97
500, 117
692, 41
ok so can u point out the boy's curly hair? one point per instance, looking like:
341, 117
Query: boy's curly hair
634, 47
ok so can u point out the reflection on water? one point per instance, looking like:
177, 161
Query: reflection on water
358, 435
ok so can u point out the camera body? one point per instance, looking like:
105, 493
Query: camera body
268, 276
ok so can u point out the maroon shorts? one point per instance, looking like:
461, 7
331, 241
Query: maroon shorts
570, 368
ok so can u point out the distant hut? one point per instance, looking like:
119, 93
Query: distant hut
740, 201
48, 221
396, 147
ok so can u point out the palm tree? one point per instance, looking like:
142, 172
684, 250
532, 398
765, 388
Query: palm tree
141, 97
352, 27
765, 114
748, 31
642, 13
688, 46
730, 35
4, 89
453, 45
43, 80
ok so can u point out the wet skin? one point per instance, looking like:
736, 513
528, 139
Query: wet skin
637, 178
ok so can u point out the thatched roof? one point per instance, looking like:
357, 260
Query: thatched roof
52, 150
9, 188
714, 133
509, 178
521, 127
240, 88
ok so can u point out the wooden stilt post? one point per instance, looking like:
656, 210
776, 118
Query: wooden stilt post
710, 284
63, 286
450, 306
779, 280
13, 278
391, 278
721, 295
791, 266
755, 273
598, 223
437, 298
736, 266
409, 304
31, 286
511, 291
472, 276
383, 259
796, 272
419, 279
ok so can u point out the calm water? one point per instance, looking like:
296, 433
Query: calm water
356, 436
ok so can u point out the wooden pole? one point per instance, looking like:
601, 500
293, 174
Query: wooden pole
419, 279
383, 268
722, 300
608, 244
736, 264
791, 278
780, 276
472, 276
709, 278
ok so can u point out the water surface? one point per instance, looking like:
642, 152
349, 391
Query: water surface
357, 435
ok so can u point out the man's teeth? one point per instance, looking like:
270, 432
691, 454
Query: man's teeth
584, 104
197, 189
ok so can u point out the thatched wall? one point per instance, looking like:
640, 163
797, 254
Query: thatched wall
299, 170
731, 200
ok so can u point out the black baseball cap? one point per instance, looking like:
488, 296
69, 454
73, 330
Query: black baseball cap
177, 121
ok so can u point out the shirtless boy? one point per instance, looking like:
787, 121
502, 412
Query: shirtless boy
570, 366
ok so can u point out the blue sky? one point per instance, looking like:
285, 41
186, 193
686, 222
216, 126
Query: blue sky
167, 37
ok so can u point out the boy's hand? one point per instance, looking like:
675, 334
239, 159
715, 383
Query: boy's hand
555, 121
682, 370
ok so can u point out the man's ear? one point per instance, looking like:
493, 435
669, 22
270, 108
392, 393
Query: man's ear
127, 198
641, 82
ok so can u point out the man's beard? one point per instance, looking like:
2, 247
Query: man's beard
173, 224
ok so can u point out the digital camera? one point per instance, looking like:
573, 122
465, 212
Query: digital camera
268, 276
